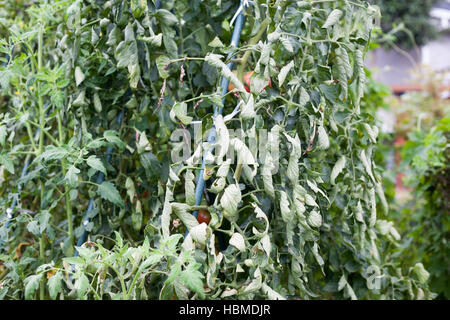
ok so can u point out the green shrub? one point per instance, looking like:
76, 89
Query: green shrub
313, 226
426, 159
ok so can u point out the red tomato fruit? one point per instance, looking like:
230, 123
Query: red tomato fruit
203, 216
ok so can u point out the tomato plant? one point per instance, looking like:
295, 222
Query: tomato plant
118, 88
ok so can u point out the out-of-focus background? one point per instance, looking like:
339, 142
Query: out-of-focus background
409, 88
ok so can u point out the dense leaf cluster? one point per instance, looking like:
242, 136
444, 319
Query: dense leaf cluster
415, 155
297, 210
426, 155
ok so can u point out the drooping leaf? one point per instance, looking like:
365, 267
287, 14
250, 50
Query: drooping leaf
72, 175
284, 72
215, 61
96, 164
333, 18
190, 187
230, 200
111, 136
82, 285
31, 285
337, 169
237, 240
323, 140
55, 284
109, 192
2, 135
181, 210
79, 76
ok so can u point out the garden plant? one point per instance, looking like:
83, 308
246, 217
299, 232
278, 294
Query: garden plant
193, 149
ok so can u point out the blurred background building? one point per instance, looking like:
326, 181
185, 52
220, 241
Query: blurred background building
402, 66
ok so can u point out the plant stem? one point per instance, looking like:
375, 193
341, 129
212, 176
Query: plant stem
237, 172
186, 58
199, 97
130, 290
23, 152
41, 149
30, 135
194, 208
43, 131
351, 2
252, 42
67, 195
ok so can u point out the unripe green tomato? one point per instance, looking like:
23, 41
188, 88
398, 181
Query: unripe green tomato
111, 114
97, 103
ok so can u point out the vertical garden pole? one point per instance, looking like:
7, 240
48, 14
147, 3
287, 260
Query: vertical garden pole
100, 179
239, 23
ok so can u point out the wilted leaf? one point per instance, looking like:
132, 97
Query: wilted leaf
333, 18
237, 240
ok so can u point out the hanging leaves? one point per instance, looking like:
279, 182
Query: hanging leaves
230, 200
290, 179
337, 169
284, 72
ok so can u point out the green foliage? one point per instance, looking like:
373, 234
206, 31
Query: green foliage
426, 157
419, 209
313, 225
413, 14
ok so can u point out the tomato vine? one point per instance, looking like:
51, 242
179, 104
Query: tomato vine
295, 200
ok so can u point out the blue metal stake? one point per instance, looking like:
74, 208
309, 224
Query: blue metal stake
100, 179
217, 110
